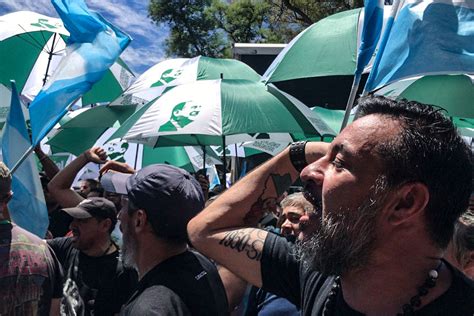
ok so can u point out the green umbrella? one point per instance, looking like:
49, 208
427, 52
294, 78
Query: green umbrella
317, 66
31, 46
333, 118
172, 72
83, 129
465, 126
454, 93
229, 111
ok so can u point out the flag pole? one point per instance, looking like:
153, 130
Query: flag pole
22, 158
32, 147
350, 101
224, 179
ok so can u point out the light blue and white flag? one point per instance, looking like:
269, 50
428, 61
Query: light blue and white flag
372, 28
27, 207
213, 177
93, 46
429, 37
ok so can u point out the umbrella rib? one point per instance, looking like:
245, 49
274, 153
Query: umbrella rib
32, 40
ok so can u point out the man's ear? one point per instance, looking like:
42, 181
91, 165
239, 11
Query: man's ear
468, 265
408, 201
140, 220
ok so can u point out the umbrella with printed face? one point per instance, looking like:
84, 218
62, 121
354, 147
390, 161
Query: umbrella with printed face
83, 129
31, 46
215, 112
220, 112
172, 72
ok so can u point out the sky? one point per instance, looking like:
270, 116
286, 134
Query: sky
147, 46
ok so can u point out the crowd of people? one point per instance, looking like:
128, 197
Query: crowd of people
384, 225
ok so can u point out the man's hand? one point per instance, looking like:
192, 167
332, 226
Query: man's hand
96, 154
204, 183
116, 166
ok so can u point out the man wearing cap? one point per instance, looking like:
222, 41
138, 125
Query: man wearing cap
95, 282
174, 280
30, 274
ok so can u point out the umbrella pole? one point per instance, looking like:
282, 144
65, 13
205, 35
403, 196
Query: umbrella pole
136, 157
203, 157
49, 60
223, 180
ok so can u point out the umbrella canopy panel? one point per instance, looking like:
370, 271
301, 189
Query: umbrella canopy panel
172, 72
318, 65
454, 93
186, 115
326, 48
80, 132
31, 47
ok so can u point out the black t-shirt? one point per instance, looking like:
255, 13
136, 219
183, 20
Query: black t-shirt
30, 274
285, 276
59, 222
186, 284
95, 285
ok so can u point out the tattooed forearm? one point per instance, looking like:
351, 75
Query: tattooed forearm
245, 240
267, 204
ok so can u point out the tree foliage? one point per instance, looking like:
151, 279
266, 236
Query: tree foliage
210, 27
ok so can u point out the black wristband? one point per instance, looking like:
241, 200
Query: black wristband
297, 155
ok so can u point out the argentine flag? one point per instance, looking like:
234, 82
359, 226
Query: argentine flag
429, 37
372, 27
27, 207
93, 46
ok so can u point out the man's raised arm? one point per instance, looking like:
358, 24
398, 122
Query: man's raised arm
60, 185
223, 231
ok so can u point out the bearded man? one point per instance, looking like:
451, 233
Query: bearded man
391, 187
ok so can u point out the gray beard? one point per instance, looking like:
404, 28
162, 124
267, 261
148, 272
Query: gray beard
128, 252
346, 239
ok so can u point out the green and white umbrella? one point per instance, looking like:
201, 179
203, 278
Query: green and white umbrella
454, 93
31, 46
85, 128
465, 126
172, 72
219, 112
333, 118
317, 66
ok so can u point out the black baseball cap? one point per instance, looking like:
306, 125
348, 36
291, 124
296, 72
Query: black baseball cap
169, 195
94, 207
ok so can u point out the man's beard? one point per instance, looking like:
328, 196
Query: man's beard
346, 238
128, 250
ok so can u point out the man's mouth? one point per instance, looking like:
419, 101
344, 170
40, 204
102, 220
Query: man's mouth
75, 235
309, 194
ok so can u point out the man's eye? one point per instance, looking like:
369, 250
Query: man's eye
337, 164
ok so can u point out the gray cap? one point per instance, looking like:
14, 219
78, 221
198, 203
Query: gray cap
94, 207
169, 195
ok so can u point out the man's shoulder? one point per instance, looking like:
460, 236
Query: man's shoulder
60, 243
156, 300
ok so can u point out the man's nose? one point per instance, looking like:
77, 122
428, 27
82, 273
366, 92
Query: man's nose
286, 223
314, 172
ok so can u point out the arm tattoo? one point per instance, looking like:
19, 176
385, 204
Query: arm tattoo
281, 182
268, 204
241, 241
